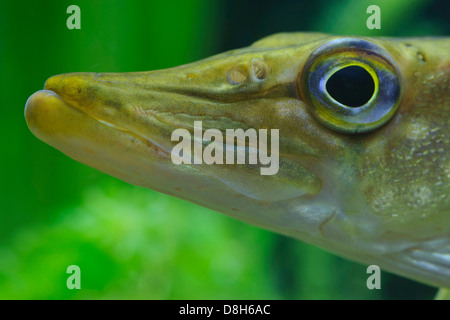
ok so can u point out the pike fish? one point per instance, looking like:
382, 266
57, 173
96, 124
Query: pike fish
364, 140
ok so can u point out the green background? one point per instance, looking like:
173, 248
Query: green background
133, 243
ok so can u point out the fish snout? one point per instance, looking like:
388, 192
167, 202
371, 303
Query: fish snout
74, 88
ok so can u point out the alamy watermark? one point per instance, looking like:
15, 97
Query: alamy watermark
74, 20
374, 280
74, 280
374, 20
211, 147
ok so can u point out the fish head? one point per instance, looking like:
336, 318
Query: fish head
356, 129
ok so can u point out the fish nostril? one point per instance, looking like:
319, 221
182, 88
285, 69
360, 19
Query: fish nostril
237, 75
260, 69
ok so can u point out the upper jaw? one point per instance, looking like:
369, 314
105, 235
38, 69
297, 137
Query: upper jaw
153, 104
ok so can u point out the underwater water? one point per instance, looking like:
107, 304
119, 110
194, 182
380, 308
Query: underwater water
133, 243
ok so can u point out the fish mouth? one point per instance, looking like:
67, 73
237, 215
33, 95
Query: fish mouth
99, 143
42, 106
46, 101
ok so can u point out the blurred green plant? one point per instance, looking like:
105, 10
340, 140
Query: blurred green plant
132, 243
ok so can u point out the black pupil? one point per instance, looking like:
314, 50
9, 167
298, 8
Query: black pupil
351, 86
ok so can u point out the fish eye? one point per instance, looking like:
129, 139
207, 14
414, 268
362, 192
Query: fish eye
351, 85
